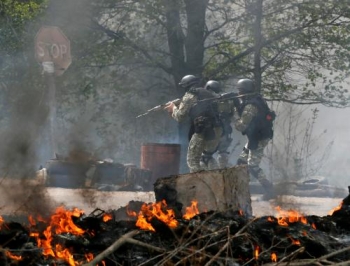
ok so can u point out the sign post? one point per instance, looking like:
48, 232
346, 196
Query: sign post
52, 50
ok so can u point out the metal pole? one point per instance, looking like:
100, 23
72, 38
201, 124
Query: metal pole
51, 101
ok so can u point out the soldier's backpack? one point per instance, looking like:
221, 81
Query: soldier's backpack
261, 127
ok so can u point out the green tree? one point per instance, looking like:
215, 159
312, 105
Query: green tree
296, 51
14, 16
16, 38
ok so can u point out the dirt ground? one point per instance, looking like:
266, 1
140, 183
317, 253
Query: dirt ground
36, 199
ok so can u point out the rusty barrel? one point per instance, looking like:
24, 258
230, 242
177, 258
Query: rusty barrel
161, 158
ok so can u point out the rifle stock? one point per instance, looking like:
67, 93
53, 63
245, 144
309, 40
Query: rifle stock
159, 107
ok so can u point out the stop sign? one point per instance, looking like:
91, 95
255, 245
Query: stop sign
51, 45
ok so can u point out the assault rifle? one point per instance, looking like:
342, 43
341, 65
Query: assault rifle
228, 96
159, 107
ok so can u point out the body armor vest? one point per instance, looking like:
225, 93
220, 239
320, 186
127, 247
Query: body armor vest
202, 107
261, 126
204, 113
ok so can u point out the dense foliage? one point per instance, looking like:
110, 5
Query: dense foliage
296, 51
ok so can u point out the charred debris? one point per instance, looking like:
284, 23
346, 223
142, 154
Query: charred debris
153, 234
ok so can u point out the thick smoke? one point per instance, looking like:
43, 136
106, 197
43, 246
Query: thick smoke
18, 154
335, 123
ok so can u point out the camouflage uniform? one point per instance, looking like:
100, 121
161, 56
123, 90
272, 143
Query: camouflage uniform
253, 157
226, 110
223, 153
198, 143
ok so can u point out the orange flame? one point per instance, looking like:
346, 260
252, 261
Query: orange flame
143, 224
270, 219
33, 221
60, 222
191, 211
273, 257
148, 211
89, 257
34, 234
335, 209
64, 254
290, 216
294, 241
107, 217
12, 256
256, 252
1, 221
129, 212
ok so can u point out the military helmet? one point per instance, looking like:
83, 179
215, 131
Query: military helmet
213, 86
245, 86
188, 81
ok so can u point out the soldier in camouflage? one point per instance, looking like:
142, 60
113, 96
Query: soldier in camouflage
226, 111
205, 130
252, 112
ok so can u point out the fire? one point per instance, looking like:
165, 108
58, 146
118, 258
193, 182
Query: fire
1, 221
335, 209
89, 257
60, 222
256, 252
290, 216
160, 211
273, 257
33, 221
294, 241
107, 217
192, 210
12, 256
129, 212
64, 254
148, 211
143, 224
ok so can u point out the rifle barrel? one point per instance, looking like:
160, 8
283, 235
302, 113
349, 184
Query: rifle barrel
158, 107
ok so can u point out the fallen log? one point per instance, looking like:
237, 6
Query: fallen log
216, 190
